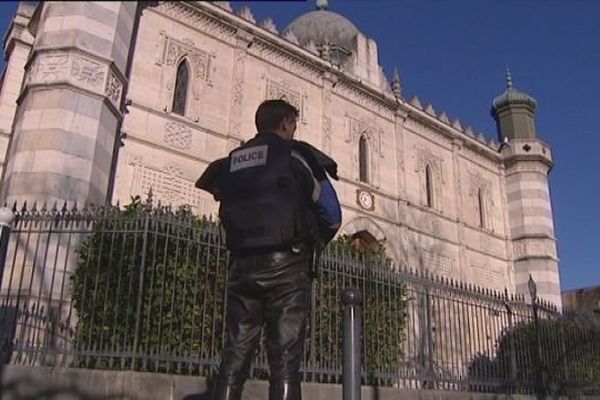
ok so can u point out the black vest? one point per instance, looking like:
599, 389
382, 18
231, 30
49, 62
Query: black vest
262, 203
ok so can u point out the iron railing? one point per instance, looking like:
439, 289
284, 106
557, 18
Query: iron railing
144, 289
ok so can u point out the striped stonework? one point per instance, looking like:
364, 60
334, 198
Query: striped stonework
530, 219
69, 107
17, 46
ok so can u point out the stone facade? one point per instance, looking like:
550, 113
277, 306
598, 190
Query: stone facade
440, 195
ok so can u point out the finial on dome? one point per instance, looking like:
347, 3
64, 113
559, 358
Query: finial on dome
509, 82
322, 4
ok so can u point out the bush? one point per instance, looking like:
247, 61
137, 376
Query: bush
149, 293
155, 272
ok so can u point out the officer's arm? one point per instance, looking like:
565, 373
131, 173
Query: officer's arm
322, 197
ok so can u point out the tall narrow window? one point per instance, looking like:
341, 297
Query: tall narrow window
482, 211
181, 88
429, 186
362, 159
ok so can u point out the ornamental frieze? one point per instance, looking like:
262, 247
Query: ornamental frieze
178, 135
168, 185
365, 100
285, 61
197, 19
78, 69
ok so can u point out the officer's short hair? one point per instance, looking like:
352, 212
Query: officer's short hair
271, 113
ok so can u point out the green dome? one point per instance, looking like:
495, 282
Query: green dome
512, 96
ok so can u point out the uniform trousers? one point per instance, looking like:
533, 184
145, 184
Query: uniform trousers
271, 289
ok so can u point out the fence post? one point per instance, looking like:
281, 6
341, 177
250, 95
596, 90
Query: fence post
512, 347
6, 219
352, 323
541, 389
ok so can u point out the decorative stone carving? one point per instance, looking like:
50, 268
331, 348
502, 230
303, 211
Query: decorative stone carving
199, 60
88, 71
426, 157
224, 5
290, 37
312, 47
246, 13
201, 21
238, 91
476, 182
430, 110
456, 125
178, 135
484, 241
416, 102
365, 100
444, 117
361, 127
281, 90
269, 25
327, 132
52, 66
424, 129
438, 264
286, 61
113, 88
168, 185
488, 276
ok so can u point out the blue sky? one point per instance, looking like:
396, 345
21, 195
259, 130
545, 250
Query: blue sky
453, 53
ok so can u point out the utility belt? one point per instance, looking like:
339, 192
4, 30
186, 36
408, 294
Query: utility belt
295, 249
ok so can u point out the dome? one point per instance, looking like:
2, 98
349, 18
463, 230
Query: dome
323, 24
512, 96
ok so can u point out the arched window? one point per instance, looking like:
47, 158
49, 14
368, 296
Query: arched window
362, 159
181, 88
482, 210
429, 186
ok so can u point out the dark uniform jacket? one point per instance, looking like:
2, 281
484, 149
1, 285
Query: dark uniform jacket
274, 193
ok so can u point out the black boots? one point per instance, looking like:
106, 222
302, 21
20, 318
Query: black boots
286, 390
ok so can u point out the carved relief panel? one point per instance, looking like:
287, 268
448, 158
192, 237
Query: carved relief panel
79, 70
169, 185
437, 263
202, 64
284, 90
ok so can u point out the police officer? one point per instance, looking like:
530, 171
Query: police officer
276, 203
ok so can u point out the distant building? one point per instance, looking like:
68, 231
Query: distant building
102, 101
584, 300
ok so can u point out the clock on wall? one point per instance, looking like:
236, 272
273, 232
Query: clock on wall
365, 199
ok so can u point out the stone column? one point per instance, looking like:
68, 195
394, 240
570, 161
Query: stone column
69, 108
528, 162
17, 46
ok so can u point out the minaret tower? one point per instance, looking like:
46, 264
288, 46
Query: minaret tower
527, 162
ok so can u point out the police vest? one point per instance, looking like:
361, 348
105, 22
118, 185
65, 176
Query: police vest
262, 203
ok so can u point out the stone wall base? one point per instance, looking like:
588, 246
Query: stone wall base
29, 383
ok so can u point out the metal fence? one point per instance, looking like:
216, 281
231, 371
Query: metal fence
144, 288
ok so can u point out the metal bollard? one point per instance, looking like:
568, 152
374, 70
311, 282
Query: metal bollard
352, 300
6, 219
